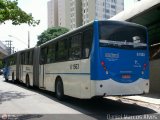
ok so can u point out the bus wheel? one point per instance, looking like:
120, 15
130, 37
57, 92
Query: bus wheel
27, 81
59, 89
13, 77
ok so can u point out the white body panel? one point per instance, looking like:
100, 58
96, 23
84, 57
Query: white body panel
24, 71
77, 82
111, 87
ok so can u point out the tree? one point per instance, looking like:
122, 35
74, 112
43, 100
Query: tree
9, 10
51, 33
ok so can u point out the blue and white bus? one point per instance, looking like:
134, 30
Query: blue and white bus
102, 58
9, 70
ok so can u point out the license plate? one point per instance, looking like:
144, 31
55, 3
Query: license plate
126, 76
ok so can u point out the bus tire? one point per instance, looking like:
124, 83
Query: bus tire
59, 89
27, 81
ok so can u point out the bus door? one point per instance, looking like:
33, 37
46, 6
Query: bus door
20, 71
22, 61
42, 73
42, 68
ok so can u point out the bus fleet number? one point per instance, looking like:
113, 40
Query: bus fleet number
74, 66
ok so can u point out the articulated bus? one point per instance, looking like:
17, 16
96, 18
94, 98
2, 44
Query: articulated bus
102, 58
25, 67
9, 63
20, 66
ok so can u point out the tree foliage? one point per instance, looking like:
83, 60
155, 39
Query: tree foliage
9, 10
51, 33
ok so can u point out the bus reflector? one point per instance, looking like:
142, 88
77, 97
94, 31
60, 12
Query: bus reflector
104, 67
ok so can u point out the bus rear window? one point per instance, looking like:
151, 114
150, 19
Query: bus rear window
124, 36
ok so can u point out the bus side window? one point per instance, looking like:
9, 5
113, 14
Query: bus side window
87, 42
22, 58
31, 58
27, 58
62, 50
75, 47
43, 57
51, 53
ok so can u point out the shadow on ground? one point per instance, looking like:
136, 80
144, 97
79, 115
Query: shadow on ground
99, 108
10, 95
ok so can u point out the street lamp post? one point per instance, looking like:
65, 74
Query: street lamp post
28, 39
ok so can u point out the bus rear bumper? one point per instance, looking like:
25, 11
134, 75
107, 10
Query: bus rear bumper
111, 87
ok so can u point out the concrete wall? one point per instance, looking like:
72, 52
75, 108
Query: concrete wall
155, 76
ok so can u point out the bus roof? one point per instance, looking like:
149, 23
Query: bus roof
83, 27
61, 36
26, 49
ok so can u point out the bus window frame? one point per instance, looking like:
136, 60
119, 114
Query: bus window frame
90, 30
68, 44
69, 40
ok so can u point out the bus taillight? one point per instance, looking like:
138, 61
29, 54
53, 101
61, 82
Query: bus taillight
102, 63
144, 66
104, 66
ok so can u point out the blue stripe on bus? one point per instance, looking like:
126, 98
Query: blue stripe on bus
148, 70
98, 72
71, 73
95, 54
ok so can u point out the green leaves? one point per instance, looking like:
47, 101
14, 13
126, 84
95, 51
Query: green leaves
51, 33
9, 10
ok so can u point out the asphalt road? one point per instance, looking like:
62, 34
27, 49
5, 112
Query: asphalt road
21, 103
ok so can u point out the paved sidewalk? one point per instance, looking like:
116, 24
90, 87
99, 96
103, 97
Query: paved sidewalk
148, 98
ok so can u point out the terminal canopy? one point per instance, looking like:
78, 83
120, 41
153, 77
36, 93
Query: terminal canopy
147, 13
